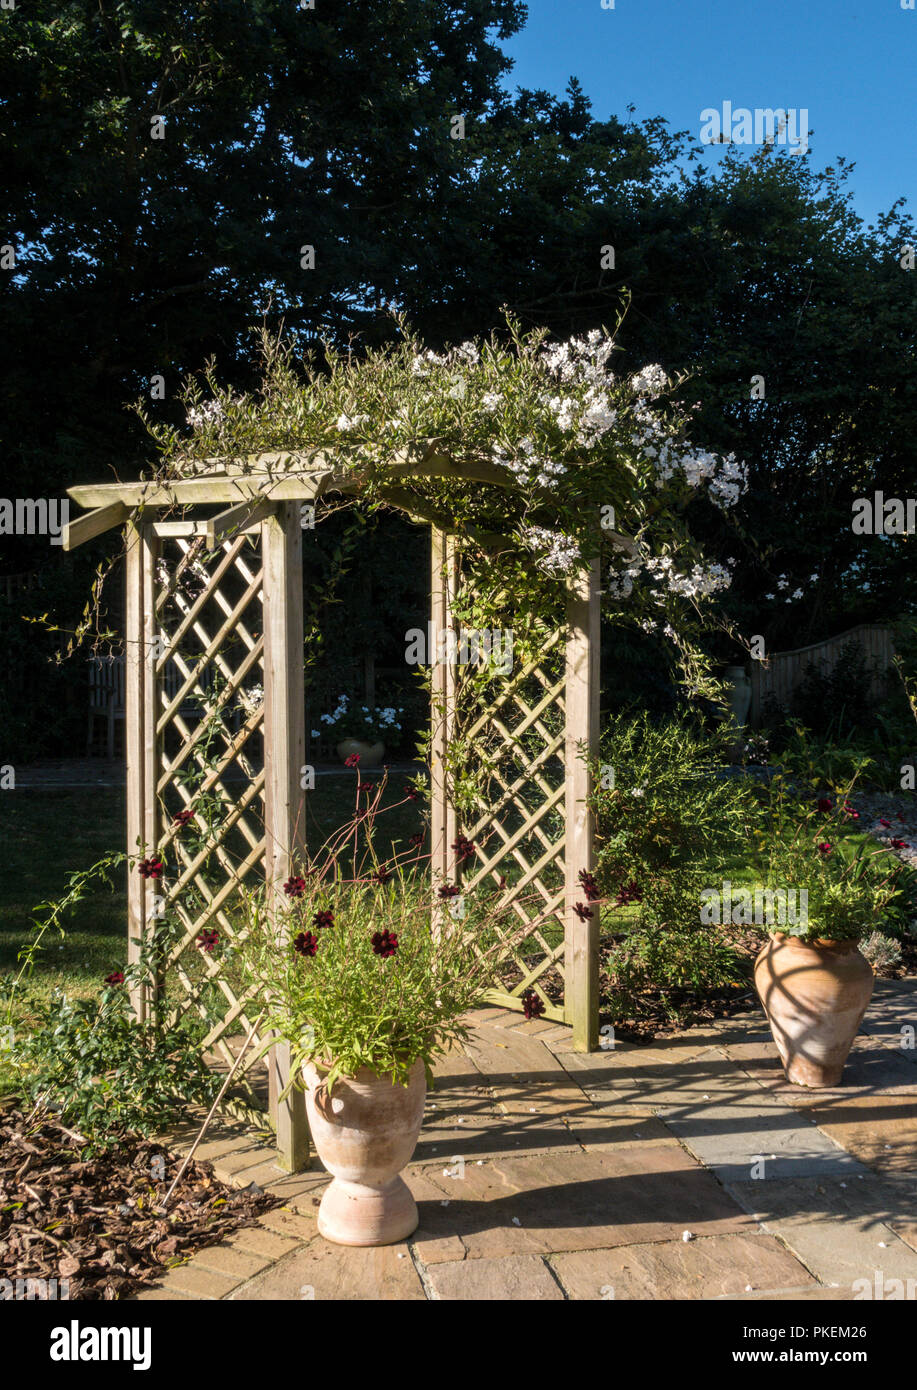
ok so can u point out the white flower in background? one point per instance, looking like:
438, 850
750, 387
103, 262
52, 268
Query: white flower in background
425, 361
797, 593
204, 416
492, 401
770, 597
350, 422
556, 554
697, 582
467, 352
532, 467
252, 698
596, 420
649, 381
580, 359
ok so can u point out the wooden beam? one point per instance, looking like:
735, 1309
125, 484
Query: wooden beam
234, 520
286, 485
86, 528
285, 756
187, 491
444, 570
140, 744
179, 530
581, 938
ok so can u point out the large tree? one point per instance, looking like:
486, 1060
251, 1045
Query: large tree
166, 163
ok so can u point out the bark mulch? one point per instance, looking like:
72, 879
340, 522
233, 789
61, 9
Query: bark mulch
95, 1225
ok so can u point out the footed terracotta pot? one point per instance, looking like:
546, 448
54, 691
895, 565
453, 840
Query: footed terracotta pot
365, 1132
814, 995
370, 754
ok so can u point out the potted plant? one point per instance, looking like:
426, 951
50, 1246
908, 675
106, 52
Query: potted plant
829, 887
366, 969
360, 730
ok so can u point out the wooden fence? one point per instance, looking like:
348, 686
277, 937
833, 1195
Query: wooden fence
776, 680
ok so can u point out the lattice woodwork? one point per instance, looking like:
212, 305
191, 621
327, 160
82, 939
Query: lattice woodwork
519, 827
209, 759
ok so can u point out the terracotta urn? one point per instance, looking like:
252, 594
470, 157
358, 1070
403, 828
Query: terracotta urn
370, 754
365, 1132
815, 995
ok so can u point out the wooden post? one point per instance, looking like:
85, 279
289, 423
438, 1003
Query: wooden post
140, 744
443, 824
284, 758
581, 938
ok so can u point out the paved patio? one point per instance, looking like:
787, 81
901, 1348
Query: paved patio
685, 1170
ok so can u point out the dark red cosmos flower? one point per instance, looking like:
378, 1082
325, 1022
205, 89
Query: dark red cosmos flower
449, 890
590, 887
464, 848
582, 911
183, 817
207, 940
151, 868
886, 823
416, 839
305, 944
532, 1004
325, 918
382, 874
825, 803
115, 978
899, 844
364, 786
295, 886
385, 942
502, 881
352, 761
851, 811
824, 848
411, 793
628, 893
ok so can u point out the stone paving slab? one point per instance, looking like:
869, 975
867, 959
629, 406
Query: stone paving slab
524, 1077
321, 1271
611, 1126
631, 1076
719, 1266
838, 1229
584, 1201
880, 1130
732, 1137
520, 1278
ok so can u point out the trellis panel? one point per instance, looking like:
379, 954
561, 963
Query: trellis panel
531, 740
204, 749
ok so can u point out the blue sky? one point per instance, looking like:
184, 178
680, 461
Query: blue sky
851, 63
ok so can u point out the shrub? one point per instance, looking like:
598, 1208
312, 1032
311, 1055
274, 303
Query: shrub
666, 829
107, 1073
882, 952
665, 963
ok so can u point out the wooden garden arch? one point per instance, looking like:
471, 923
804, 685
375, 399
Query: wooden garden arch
246, 617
